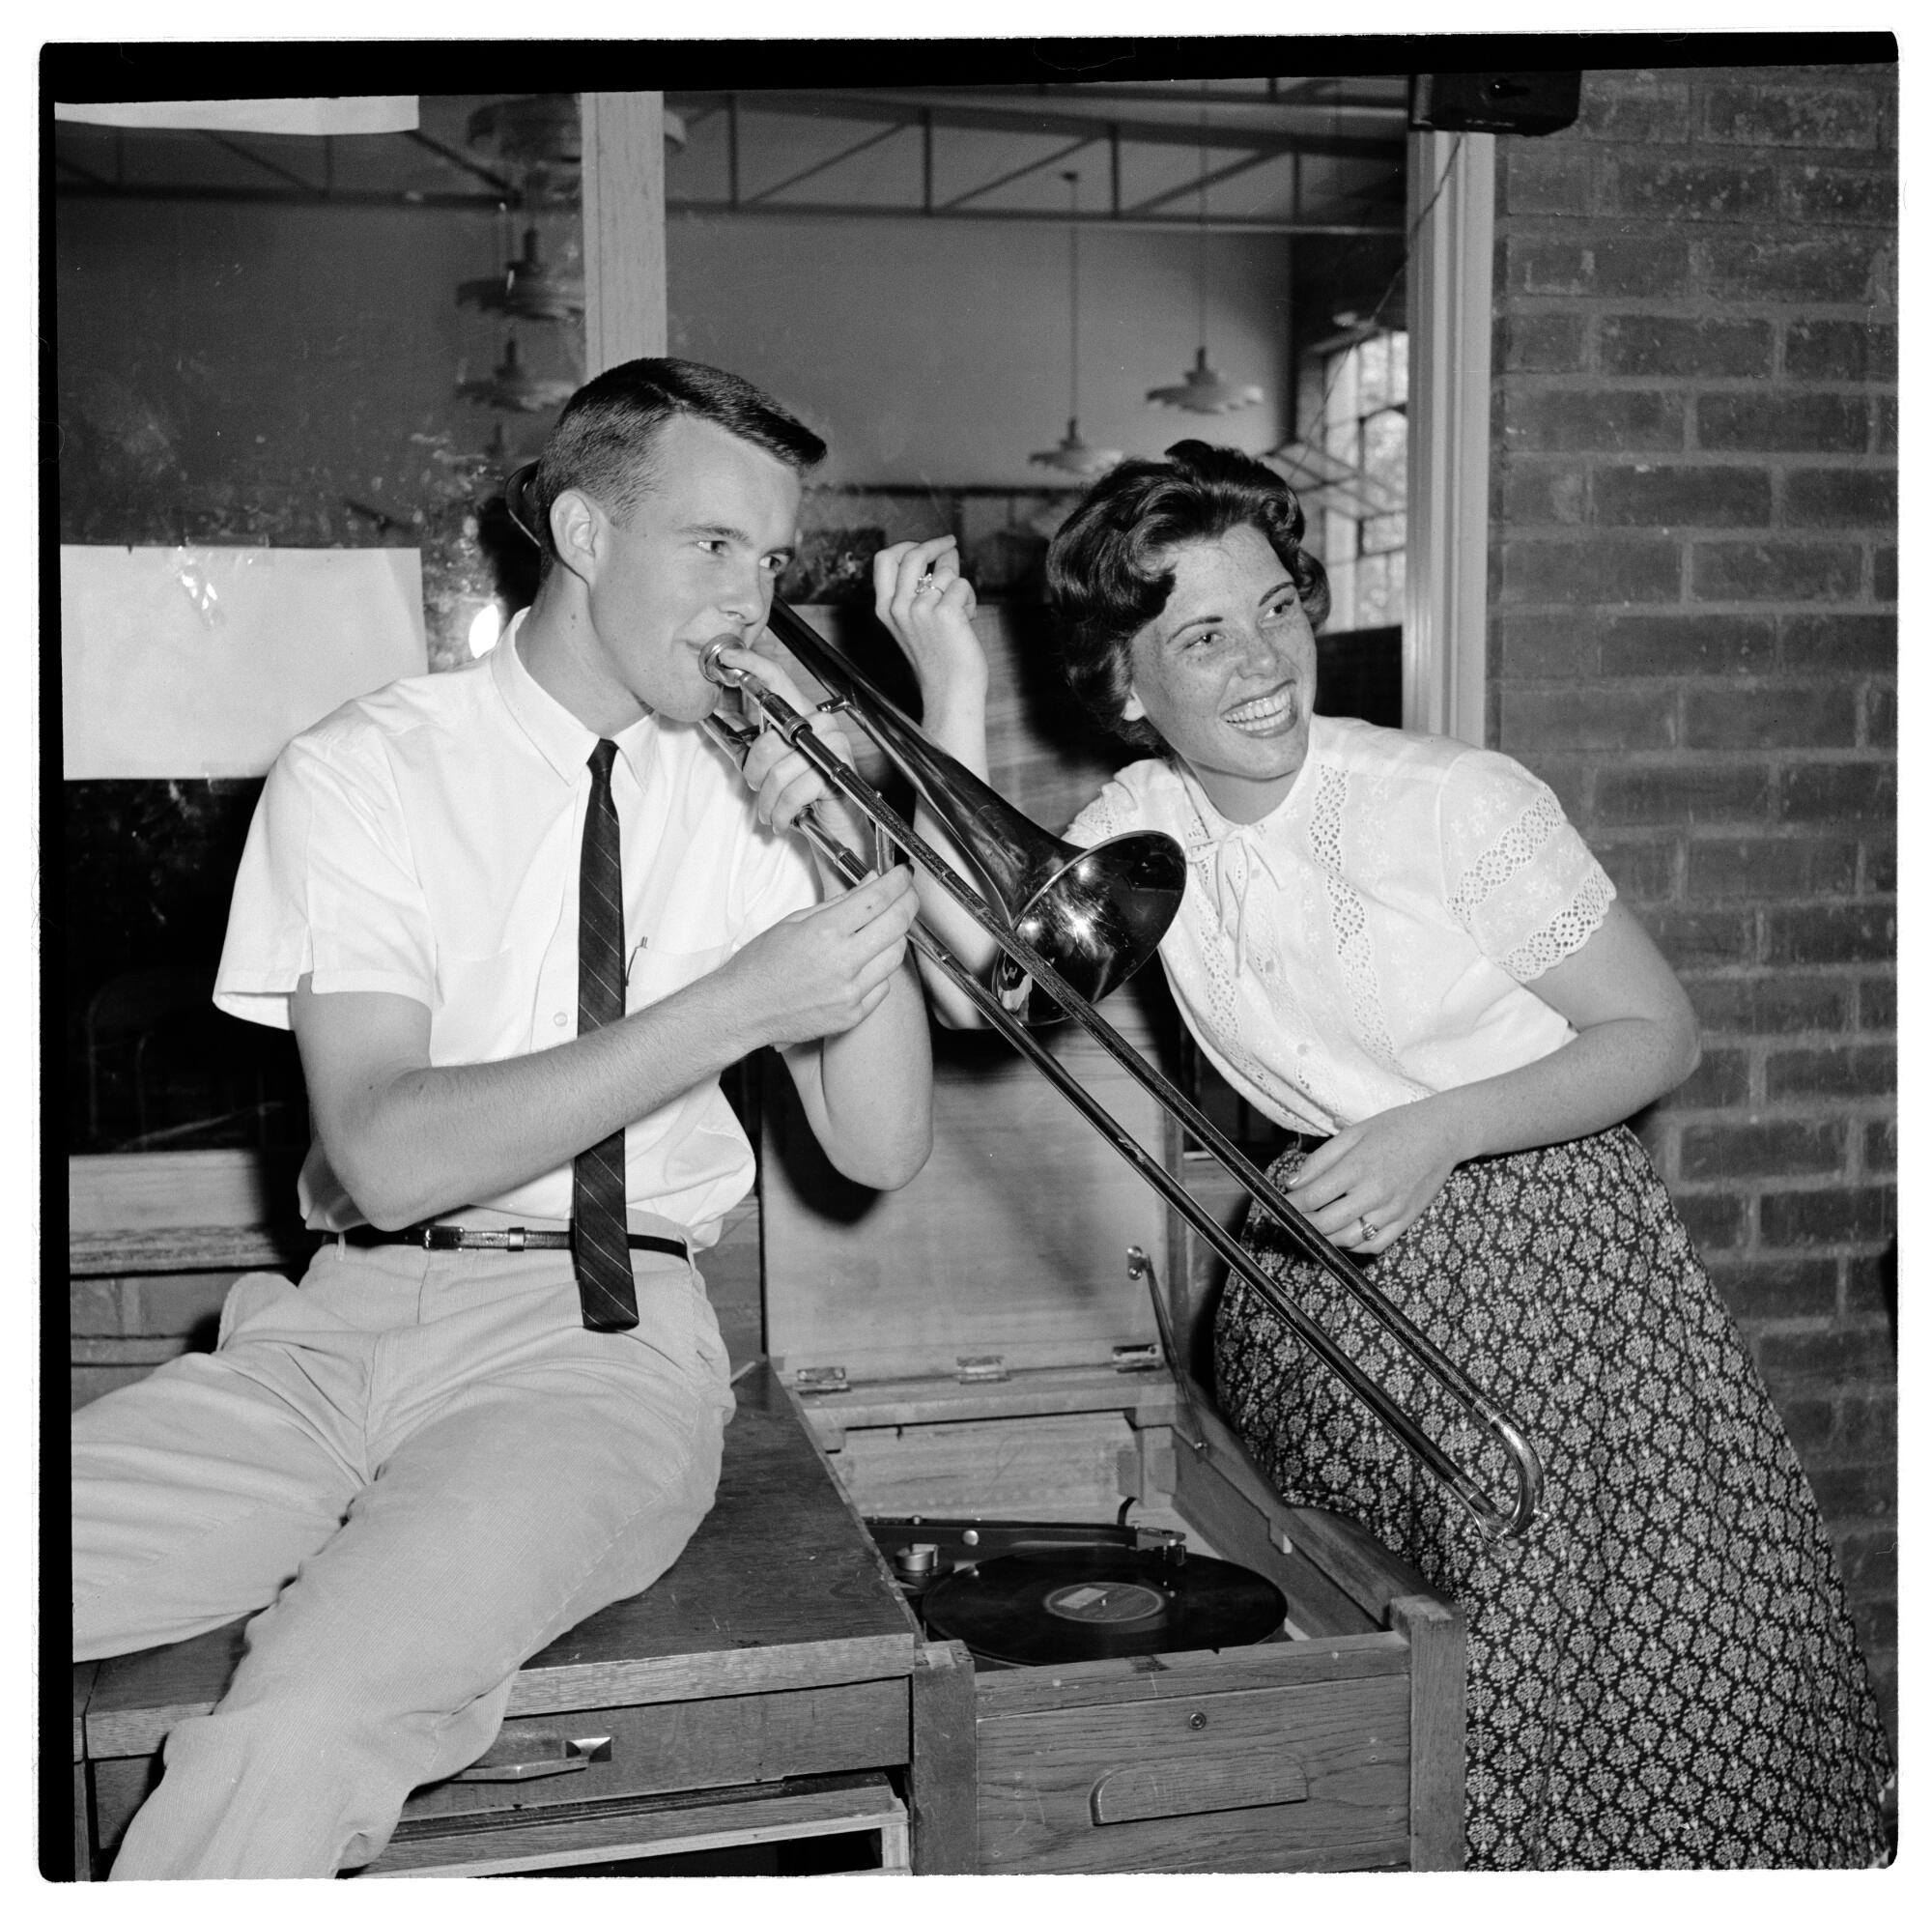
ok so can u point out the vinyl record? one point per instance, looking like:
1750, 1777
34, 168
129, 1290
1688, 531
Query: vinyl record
1073, 1603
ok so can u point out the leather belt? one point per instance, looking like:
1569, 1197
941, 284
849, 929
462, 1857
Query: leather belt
518, 1238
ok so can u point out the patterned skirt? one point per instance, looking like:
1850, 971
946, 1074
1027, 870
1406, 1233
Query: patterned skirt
1662, 1673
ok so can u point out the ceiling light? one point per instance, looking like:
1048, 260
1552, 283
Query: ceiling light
526, 289
1073, 454
1203, 389
510, 389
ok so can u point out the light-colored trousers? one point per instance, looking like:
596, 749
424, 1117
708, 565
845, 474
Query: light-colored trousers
418, 1469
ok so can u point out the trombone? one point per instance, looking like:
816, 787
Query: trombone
1076, 922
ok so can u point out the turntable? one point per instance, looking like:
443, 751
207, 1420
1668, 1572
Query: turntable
1133, 1656
1018, 1594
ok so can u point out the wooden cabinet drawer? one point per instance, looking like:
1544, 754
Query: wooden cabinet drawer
758, 1820
696, 1744
586, 1756
1294, 1777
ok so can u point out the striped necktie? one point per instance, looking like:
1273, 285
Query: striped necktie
599, 1249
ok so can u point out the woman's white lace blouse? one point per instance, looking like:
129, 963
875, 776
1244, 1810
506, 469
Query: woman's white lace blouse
1368, 942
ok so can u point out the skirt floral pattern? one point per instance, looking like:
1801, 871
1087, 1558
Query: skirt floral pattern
1662, 1673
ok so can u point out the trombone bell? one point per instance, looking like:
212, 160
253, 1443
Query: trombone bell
1096, 919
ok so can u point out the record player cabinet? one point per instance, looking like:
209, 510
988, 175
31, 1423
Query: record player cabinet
973, 1347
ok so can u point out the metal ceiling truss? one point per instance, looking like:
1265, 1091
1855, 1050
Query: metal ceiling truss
1263, 134
1247, 130
74, 181
1270, 130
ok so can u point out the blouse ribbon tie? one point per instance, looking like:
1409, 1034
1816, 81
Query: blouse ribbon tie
1237, 851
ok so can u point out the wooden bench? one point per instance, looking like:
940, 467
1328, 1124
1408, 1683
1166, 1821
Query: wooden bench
761, 1691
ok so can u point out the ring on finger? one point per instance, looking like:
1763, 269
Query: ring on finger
1368, 1231
924, 582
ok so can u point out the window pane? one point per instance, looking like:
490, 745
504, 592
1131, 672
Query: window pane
1373, 357
1385, 448
1387, 532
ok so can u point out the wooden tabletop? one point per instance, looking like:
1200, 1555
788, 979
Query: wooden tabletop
779, 1590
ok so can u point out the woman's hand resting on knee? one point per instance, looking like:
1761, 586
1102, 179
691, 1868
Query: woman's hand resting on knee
1371, 1182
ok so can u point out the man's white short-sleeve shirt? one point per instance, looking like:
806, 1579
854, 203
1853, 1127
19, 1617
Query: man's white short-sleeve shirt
1370, 941
424, 841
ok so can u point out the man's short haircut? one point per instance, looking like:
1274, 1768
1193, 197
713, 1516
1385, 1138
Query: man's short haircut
1110, 568
603, 441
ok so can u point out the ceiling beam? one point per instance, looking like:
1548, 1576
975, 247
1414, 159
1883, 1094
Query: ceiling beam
94, 180
428, 201
905, 110
767, 194
1344, 226
1287, 97
255, 158
1203, 181
1020, 172
461, 160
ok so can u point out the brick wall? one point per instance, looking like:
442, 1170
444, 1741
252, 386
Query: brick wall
1693, 638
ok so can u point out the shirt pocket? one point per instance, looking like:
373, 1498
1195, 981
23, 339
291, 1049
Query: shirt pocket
659, 970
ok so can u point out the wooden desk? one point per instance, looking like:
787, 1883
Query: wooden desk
717, 1679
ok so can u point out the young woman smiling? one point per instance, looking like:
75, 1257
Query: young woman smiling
1396, 947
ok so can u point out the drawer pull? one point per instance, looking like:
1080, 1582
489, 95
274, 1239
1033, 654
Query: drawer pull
1185, 1786
549, 1757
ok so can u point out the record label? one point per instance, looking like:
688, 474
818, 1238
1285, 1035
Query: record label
1106, 1603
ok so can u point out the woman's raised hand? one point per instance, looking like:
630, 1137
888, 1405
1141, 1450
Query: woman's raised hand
925, 603
784, 780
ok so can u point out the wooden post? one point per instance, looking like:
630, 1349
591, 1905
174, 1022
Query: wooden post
944, 1782
83, 1822
1452, 186
1438, 1650
623, 228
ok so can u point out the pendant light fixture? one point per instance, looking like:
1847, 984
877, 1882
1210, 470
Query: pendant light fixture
535, 144
1203, 389
512, 389
1073, 454
528, 288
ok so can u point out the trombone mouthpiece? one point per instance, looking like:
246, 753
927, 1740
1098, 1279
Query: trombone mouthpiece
711, 663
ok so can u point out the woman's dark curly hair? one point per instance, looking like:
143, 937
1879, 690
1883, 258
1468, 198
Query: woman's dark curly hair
1109, 570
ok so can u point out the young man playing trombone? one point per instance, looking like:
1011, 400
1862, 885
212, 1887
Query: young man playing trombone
519, 917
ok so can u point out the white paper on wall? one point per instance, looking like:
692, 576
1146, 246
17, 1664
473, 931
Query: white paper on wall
202, 662
364, 113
